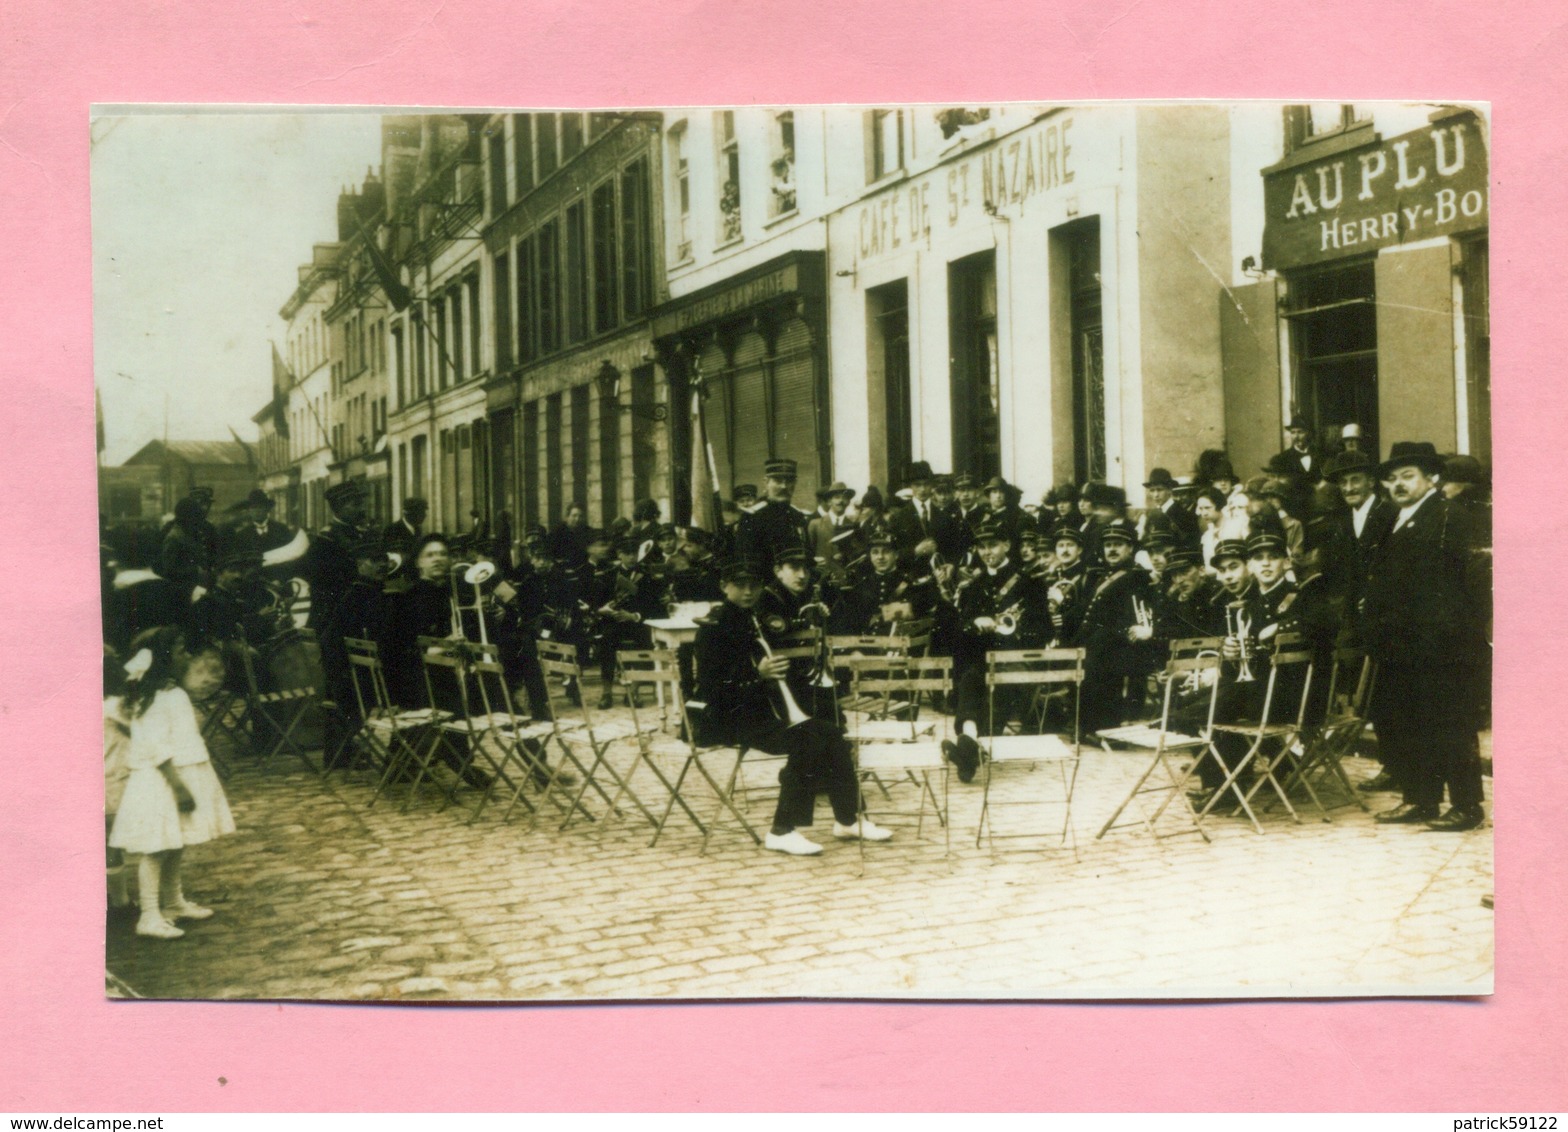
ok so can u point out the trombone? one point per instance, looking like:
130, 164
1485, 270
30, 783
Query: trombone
474, 574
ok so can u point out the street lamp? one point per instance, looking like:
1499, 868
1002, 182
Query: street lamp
608, 379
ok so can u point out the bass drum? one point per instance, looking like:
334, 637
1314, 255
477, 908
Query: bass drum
289, 662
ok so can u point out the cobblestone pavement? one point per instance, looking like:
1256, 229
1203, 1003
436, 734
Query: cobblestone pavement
321, 896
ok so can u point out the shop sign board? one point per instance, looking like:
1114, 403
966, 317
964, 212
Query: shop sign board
1430, 182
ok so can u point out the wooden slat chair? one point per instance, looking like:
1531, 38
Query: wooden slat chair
504, 745
575, 729
1269, 743
393, 740
1033, 667
275, 716
225, 727
659, 671
902, 751
1350, 684
1194, 668
909, 638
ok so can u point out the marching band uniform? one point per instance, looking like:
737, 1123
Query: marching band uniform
738, 706
989, 594
858, 610
772, 527
1115, 668
633, 591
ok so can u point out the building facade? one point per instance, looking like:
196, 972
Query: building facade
1362, 297
529, 311
574, 406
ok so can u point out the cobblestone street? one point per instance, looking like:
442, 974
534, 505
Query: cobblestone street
320, 896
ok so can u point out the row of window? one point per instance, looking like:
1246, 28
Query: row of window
581, 272
540, 144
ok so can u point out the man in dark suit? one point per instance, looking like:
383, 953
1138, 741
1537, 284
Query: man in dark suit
1300, 457
402, 536
1357, 529
745, 700
775, 525
1423, 622
1159, 492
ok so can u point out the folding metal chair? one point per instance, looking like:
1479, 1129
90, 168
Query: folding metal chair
277, 714
1194, 668
753, 776
1031, 667
906, 750
1290, 651
1350, 684
659, 670
907, 638
392, 740
445, 665
557, 659
225, 727
505, 746
692, 754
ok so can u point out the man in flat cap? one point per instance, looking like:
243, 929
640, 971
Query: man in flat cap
1424, 622
776, 524
745, 699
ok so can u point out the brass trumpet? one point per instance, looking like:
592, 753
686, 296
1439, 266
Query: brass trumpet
1238, 626
1007, 620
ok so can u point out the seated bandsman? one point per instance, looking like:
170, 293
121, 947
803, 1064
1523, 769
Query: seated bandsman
634, 599
999, 608
1071, 585
699, 579
793, 603
883, 595
745, 699
1116, 634
1188, 602
231, 612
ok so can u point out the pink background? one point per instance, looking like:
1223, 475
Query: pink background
68, 1049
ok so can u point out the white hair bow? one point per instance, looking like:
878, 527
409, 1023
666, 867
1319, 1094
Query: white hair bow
138, 665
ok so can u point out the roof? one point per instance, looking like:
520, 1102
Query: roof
192, 452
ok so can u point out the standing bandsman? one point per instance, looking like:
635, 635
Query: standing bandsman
999, 608
1423, 621
1116, 634
329, 563
745, 699
774, 525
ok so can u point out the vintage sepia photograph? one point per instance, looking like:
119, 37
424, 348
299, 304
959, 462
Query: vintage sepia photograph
1014, 551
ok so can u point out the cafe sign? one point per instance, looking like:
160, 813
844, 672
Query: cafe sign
1431, 182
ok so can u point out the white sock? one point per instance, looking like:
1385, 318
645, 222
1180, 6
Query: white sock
970, 729
149, 871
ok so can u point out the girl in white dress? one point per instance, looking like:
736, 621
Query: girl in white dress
172, 796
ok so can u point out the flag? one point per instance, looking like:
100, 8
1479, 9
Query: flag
250, 454
703, 478
98, 415
397, 294
281, 380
